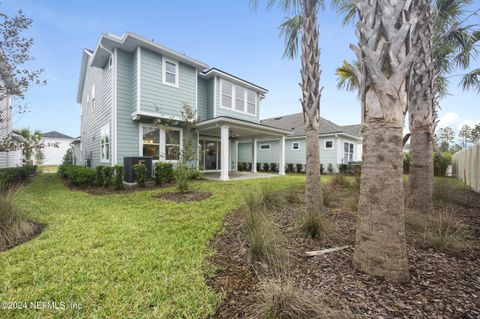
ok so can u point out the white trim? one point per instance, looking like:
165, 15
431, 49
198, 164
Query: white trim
328, 148
139, 75
162, 140
298, 144
215, 97
196, 93
108, 128
254, 156
217, 72
242, 123
264, 149
236, 155
198, 151
136, 115
234, 99
164, 72
281, 160
115, 102
224, 151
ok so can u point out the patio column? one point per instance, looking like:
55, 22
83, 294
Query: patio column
254, 156
281, 158
224, 153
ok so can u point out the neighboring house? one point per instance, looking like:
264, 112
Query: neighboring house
338, 144
56, 145
129, 82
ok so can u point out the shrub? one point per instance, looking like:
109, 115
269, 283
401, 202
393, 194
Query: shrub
289, 168
266, 167
292, 194
12, 226
281, 299
270, 197
299, 168
444, 232
339, 180
321, 169
273, 167
9, 177
181, 179
240, 166
330, 167
264, 238
313, 224
193, 173
99, 175
140, 174
108, 173
259, 167
354, 169
245, 166
406, 163
441, 163
450, 190
329, 197
68, 158
163, 173
342, 168
81, 176
118, 177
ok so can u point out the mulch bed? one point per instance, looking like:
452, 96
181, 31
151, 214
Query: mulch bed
184, 197
440, 286
37, 229
95, 190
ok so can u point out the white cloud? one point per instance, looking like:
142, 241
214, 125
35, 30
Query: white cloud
455, 121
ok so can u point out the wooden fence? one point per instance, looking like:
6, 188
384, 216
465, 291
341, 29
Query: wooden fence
466, 166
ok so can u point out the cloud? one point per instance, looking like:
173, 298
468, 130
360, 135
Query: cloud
455, 121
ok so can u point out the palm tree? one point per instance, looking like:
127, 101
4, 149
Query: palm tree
306, 25
385, 54
31, 144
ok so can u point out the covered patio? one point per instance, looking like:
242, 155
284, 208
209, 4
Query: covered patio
229, 129
215, 176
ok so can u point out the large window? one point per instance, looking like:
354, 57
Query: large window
172, 145
151, 142
105, 143
170, 72
161, 144
347, 152
237, 98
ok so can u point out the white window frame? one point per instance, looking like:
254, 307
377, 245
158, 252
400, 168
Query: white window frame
265, 149
164, 72
328, 148
234, 99
105, 128
298, 145
349, 153
93, 97
162, 138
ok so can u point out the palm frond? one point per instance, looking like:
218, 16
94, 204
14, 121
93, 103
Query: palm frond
471, 81
441, 86
347, 9
290, 29
346, 77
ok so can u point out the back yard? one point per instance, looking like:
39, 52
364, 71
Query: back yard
118, 256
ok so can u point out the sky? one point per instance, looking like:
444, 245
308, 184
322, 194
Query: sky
226, 34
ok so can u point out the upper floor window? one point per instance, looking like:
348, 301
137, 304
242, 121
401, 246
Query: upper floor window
105, 143
238, 98
170, 72
295, 146
328, 144
347, 152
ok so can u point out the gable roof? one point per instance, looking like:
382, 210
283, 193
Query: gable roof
294, 122
55, 134
355, 129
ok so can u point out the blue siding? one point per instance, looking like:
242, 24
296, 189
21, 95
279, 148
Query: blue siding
202, 100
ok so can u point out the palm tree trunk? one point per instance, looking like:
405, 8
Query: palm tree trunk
421, 171
422, 113
311, 93
386, 58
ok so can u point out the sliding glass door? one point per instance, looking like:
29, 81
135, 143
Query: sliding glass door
209, 159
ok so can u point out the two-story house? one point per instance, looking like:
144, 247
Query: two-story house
128, 83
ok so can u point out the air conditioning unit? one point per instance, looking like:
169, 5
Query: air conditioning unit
129, 162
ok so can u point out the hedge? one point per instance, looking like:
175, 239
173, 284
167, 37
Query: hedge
12, 176
78, 175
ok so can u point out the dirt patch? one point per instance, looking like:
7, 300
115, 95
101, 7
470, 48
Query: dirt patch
184, 197
35, 230
95, 190
441, 285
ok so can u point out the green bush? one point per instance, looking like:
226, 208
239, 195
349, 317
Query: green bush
342, 168
289, 168
81, 176
9, 177
240, 166
108, 172
181, 179
441, 163
321, 168
193, 173
330, 167
266, 167
406, 163
163, 173
259, 167
273, 167
140, 174
299, 168
99, 175
69, 157
118, 177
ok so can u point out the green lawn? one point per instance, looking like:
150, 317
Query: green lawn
119, 256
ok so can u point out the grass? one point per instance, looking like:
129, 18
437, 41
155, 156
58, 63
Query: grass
119, 256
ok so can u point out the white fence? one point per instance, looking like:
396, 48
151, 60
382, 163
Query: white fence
466, 166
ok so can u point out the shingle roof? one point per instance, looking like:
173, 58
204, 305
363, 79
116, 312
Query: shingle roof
55, 134
295, 123
355, 129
